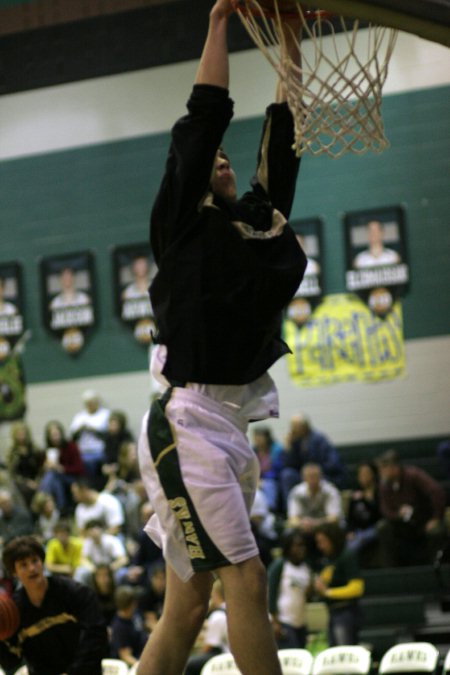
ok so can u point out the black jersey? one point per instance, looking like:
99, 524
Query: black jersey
66, 634
219, 294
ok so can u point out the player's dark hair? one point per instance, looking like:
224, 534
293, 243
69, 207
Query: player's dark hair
112, 583
63, 526
288, 538
221, 152
336, 535
59, 426
266, 432
125, 596
372, 466
20, 548
120, 417
82, 483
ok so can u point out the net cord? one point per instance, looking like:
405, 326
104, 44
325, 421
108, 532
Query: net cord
338, 111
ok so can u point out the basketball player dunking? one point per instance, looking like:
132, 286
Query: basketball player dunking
226, 269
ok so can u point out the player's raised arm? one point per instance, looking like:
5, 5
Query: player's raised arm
214, 67
195, 136
278, 165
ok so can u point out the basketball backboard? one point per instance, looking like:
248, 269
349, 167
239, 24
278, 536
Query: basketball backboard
429, 19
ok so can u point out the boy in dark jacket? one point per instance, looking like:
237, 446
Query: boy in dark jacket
62, 631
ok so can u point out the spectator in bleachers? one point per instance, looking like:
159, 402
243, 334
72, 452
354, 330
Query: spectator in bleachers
25, 461
305, 445
128, 636
100, 548
364, 508
47, 514
15, 520
63, 465
104, 587
127, 463
135, 498
88, 428
63, 551
7, 484
145, 553
116, 435
152, 600
290, 583
61, 627
339, 584
122, 478
269, 453
313, 502
214, 638
412, 504
263, 524
96, 505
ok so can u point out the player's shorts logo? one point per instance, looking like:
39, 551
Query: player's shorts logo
181, 510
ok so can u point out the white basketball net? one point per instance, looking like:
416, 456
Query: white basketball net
335, 96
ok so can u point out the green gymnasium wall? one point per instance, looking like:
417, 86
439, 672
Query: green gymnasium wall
97, 197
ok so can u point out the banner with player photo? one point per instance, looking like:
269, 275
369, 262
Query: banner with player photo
12, 339
345, 341
68, 298
310, 291
377, 264
134, 268
11, 307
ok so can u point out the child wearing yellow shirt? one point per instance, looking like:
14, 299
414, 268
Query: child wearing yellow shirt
63, 551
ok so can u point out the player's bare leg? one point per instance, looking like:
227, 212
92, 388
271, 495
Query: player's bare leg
250, 632
185, 608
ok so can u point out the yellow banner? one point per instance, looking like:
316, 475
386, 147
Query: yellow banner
344, 341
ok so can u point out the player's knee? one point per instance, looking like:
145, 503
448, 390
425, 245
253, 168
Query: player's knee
198, 614
188, 615
256, 579
249, 579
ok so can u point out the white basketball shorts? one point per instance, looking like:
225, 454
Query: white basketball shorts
200, 474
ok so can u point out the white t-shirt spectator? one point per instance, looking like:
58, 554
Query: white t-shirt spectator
107, 509
104, 552
98, 421
216, 632
294, 582
326, 502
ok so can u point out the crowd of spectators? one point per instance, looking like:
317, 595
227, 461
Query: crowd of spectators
81, 494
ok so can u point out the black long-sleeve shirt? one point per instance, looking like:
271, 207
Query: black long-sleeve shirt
218, 296
66, 634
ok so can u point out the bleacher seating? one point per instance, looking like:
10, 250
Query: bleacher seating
419, 579
420, 452
223, 664
411, 448
446, 668
351, 660
411, 657
114, 667
295, 661
393, 606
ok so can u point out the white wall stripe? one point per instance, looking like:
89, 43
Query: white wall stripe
148, 101
411, 407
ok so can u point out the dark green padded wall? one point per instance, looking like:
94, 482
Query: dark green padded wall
100, 196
